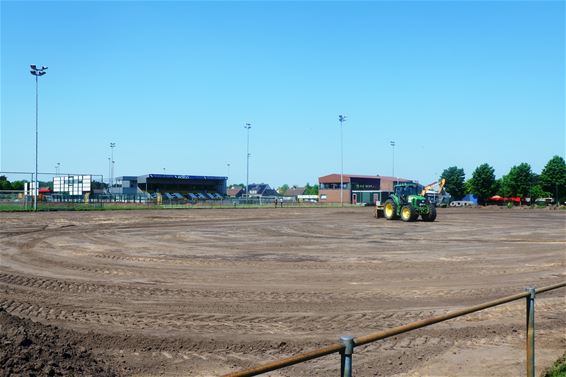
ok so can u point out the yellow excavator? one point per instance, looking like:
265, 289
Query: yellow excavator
441, 194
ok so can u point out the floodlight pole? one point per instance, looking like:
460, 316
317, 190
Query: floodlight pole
36, 72
109, 172
392, 143
341, 119
247, 126
112, 146
228, 176
36, 185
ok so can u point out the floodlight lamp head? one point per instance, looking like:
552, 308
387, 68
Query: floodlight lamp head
41, 73
33, 66
43, 68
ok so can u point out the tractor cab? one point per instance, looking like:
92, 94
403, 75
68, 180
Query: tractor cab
404, 190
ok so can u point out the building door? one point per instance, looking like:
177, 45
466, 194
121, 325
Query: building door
355, 198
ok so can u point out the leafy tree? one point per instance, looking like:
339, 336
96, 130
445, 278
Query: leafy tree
502, 186
468, 187
96, 185
454, 182
4, 183
537, 192
47, 184
311, 190
519, 181
237, 185
283, 189
553, 177
482, 183
17, 185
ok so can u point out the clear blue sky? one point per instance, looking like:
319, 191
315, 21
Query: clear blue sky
172, 84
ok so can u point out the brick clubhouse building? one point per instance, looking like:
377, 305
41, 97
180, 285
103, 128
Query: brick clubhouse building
357, 189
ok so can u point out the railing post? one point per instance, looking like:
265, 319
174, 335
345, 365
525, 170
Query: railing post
346, 356
531, 332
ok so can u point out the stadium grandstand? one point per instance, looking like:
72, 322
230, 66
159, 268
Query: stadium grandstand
192, 187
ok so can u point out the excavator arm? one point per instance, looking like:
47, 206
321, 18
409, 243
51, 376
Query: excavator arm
440, 183
426, 188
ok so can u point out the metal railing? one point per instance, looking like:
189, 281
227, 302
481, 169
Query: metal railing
347, 343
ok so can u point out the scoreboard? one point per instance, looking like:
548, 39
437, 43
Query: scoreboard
72, 184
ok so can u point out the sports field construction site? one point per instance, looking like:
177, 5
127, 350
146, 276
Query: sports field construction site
204, 292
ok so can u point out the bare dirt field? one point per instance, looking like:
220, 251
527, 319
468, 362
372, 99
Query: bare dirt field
207, 292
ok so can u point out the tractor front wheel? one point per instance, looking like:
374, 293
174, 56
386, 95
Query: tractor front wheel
390, 210
408, 213
431, 215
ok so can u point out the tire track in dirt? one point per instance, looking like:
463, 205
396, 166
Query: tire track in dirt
201, 323
110, 290
135, 291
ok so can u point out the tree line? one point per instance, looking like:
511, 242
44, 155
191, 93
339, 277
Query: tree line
520, 182
5, 184
282, 190
19, 185
309, 190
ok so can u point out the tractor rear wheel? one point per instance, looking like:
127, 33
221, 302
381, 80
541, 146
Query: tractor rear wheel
408, 213
431, 215
390, 210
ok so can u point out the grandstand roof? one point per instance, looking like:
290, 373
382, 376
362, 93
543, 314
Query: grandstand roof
184, 177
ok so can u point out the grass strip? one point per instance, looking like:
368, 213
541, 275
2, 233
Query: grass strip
558, 369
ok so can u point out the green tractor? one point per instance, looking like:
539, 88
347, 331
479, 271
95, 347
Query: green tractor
407, 203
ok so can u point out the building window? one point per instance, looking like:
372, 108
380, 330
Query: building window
334, 186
